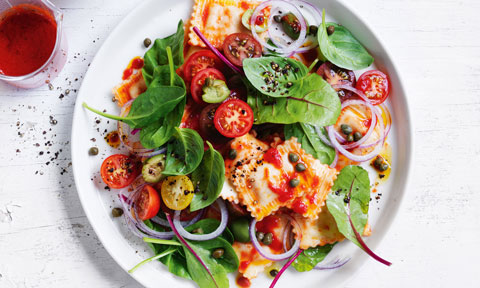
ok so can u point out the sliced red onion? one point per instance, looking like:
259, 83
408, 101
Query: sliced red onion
203, 237
267, 255
384, 110
372, 124
275, 280
287, 7
335, 160
307, 8
185, 243
153, 153
135, 131
359, 237
323, 137
215, 51
333, 265
164, 222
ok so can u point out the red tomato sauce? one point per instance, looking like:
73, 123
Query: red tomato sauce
273, 157
27, 38
135, 64
268, 225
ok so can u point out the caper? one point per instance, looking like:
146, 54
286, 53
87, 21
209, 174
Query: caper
267, 240
350, 138
378, 162
346, 129
260, 236
293, 157
300, 167
313, 30
273, 272
232, 154
277, 18
117, 212
294, 182
147, 42
357, 136
93, 151
218, 253
384, 167
330, 30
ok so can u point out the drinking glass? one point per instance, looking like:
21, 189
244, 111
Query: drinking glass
50, 69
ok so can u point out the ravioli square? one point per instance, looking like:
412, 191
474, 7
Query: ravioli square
217, 19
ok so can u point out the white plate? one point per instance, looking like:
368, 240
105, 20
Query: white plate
154, 19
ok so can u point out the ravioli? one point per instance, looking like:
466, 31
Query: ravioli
131, 87
217, 19
263, 185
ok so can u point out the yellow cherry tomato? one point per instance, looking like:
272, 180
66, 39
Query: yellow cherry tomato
177, 192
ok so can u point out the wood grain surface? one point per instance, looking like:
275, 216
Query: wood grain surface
46, 240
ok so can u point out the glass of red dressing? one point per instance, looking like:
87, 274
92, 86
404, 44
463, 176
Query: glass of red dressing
33, 47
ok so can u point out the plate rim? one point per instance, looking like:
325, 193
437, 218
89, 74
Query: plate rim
409, 124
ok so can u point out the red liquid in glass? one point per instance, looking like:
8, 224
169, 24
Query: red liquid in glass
27, 39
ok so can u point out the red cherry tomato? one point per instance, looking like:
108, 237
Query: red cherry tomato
118, 171
233, 118
201, 60
238, 46
375, 85
147, 203
199, 80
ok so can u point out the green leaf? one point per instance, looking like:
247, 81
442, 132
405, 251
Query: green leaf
316, 103
353, 181
261, 70
341, 48
311, 257
208, 178
157, 56
159, 132
209, 225
150, 106
311, 143
184, 153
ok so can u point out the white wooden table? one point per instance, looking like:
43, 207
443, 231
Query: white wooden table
46, 240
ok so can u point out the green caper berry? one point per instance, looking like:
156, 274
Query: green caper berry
260, 236
273, 272
350, 138
147, 42
218, 253
384, 167
378, 162
294, 183
357, 136
93, 151
232, 154
267, 240
346, 129
277, 18
117, 212
292, 157
300, 167
313, 30
330, 30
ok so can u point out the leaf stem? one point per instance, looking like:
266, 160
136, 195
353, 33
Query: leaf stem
313, 65
168, 252
106, 115
161, 241
170, 64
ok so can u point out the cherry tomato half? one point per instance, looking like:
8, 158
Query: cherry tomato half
118, 171
375, 85
207, 128
147, 203
238, 46
233, 118
201, 60
335, 75
196, 87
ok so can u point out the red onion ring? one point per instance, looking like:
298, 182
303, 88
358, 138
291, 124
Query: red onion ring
268, 255
323, 137
335, 160
203, 237
333, 265
295, 44
164, 222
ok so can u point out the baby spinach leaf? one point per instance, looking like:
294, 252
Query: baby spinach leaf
157, 56
311, 257
209, 177
275, 76
184, 153
352, 185
311, 143
151, 105
341, 48
316, 103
